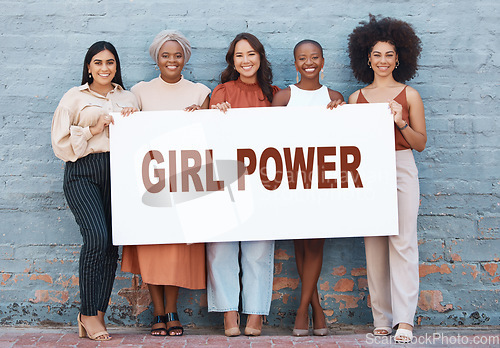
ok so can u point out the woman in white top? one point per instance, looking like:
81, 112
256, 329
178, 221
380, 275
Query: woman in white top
308, 90
80, 137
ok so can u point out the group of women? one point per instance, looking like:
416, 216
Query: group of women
383, 54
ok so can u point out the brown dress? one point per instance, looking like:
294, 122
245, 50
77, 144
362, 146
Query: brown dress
168, 264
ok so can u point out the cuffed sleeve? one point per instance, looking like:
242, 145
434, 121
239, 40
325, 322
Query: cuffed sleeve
79, 137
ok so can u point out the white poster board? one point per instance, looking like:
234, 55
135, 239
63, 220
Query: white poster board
176, 177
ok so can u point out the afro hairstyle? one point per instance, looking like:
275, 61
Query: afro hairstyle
394, 31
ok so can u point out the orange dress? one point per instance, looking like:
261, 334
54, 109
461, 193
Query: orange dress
180, 265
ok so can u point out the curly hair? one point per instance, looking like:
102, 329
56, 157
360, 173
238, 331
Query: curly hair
264, 74
394, 31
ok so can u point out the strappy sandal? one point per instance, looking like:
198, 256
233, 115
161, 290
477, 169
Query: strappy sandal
82, 332
382, 331
173, 317
159, 319
403, 336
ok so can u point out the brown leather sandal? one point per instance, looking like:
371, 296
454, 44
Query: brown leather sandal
173, 317
158, 331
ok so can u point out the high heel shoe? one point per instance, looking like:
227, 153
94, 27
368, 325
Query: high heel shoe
320, 332
82, 331
301, 332
250, 331
233, 331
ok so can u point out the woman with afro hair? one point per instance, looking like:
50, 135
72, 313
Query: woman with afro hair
384, 55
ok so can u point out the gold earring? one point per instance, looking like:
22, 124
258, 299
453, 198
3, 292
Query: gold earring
297, 77
322, 74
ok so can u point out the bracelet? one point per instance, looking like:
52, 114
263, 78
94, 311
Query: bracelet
406, 125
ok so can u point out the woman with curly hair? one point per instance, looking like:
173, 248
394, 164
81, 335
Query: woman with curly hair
384, 53
245, 83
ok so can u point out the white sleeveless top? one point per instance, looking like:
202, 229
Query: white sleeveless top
301, 97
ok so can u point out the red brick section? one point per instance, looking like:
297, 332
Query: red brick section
491, 268
344, 285
339, 271
431, 300
340, 336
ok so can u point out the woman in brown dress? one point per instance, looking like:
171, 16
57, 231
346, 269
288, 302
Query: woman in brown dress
166, 267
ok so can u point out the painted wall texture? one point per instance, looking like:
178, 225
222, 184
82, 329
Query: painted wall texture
42, 46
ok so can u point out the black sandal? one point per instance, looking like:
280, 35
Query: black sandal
159, 319
173, 317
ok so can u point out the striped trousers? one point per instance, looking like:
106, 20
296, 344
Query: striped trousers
88, 193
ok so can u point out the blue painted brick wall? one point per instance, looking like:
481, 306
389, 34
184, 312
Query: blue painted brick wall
42, 45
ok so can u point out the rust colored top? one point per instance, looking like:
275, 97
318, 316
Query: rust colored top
401, 143
241, 95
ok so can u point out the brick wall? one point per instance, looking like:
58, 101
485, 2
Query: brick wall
42, 45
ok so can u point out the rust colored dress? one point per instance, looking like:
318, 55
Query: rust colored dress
179, 265
241, 95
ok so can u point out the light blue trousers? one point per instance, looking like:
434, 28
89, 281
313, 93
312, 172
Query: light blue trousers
223, 281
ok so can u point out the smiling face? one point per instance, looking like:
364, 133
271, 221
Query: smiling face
383, 58
103, 68
308, 60
246, 61
171, 61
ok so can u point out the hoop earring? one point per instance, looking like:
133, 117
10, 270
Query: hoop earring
370, 64
397, 64
297, 77
322, 74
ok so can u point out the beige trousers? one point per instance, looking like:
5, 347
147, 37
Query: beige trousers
392, 261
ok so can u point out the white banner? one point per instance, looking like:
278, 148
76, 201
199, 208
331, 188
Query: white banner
253, 174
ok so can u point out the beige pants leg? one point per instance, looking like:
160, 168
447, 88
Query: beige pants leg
392, 262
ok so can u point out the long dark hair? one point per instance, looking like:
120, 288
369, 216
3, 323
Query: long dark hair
264, 74
97, 47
